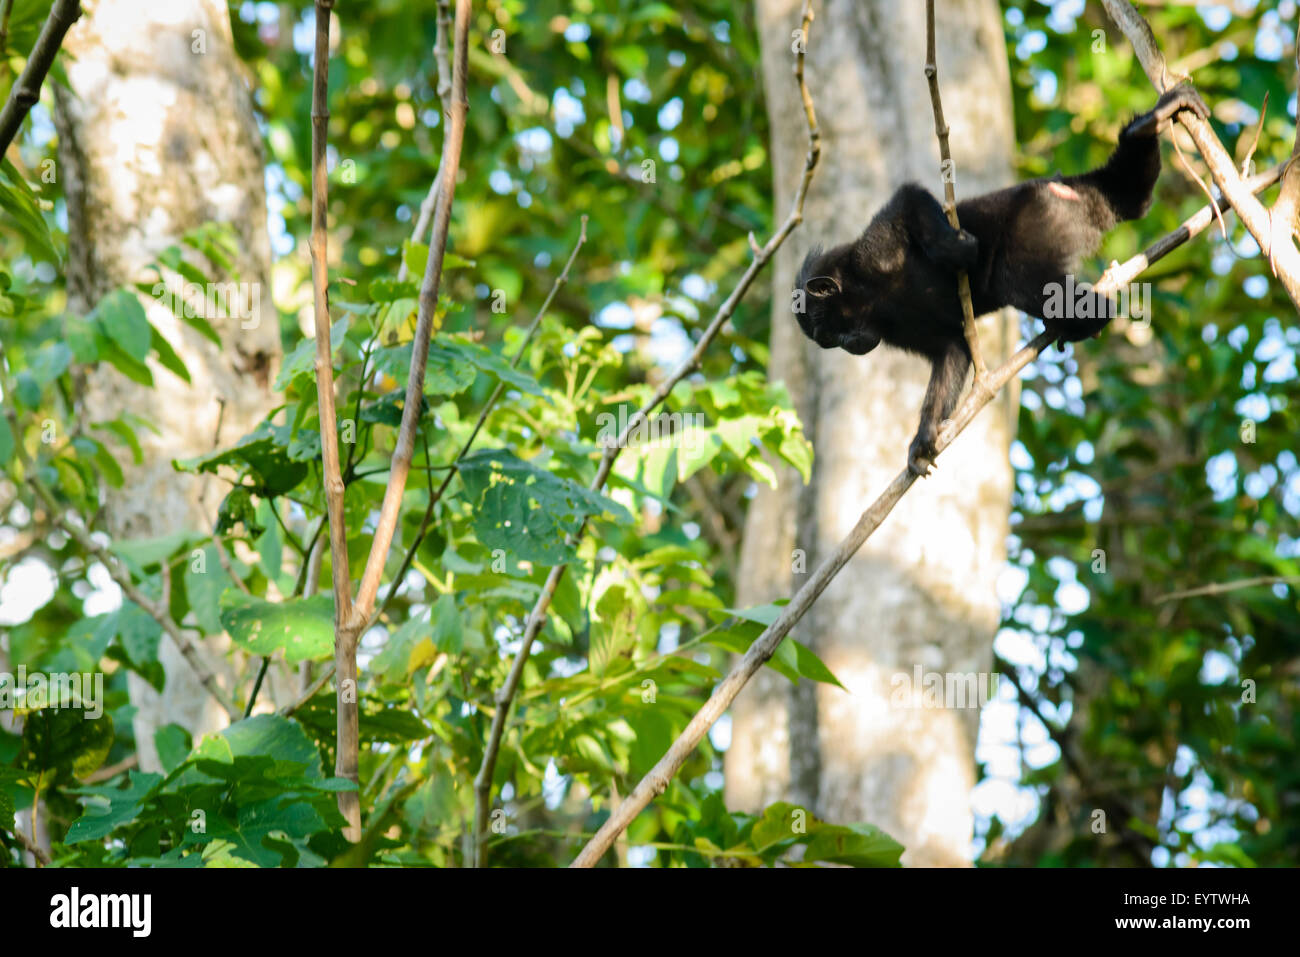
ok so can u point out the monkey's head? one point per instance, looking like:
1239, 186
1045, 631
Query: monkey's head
836, 304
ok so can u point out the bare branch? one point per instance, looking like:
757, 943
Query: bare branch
345, 637
31, 847
505, 694
1220, 588
27, 91
404, 449
948, 175
1286, 211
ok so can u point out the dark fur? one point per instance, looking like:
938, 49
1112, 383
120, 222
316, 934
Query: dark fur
897, 283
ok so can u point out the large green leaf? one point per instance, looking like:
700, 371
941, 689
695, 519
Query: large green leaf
526, 511
303, 628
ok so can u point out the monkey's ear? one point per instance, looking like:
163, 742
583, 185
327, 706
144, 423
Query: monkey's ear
821, 287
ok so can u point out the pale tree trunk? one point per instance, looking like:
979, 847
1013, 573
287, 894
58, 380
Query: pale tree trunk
156, 138
921, 592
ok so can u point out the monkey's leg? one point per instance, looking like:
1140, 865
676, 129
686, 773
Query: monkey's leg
928, 225
1126, 181
947, 377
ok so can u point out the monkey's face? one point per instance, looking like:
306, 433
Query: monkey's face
835, 309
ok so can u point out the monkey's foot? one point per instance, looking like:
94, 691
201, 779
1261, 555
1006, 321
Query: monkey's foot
920, 456
1174, 101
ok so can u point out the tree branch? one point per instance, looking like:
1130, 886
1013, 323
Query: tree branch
27, 91
656, 780
1219, 588
404, 449
1283, 254
762, 254
948, 174
347, 744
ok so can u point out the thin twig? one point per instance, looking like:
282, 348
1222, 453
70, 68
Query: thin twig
404, 448
948, 175
1219, 588
31, 847
505, 694
656, 780
26, 92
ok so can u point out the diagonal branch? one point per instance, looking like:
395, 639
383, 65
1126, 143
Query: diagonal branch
656, 780
27, 91
404, 449
949, 175
1220, 588
762, 254
1282, 253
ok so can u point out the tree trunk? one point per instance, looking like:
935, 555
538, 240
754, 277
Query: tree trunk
157, 137
921, 592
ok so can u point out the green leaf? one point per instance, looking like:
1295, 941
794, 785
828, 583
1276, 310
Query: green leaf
111, 807
173, 745
408, 648
526, 511
447, 633
489, 362
303, 628
20, 203
122, 319
138, 632
65, 739
302, 360
50, 362
263, 453
167, 356
446, 373
858, 845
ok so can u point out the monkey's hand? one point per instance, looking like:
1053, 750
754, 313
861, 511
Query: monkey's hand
920, 455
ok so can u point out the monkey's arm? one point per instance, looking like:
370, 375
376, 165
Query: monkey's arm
928, 227
947, 378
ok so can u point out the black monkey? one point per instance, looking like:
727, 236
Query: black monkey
897, 283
